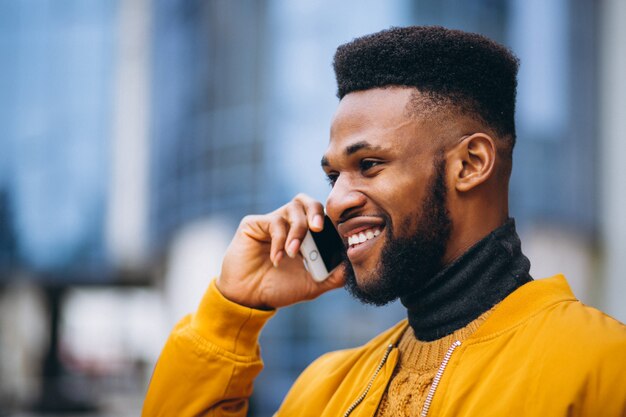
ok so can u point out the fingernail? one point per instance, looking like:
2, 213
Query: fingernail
292, 248
318, 221
277, 259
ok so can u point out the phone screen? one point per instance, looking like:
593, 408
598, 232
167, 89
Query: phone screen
329, 244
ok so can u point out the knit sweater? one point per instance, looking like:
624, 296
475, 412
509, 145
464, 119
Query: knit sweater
417, 365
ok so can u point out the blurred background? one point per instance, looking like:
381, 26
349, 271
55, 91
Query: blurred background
134, 134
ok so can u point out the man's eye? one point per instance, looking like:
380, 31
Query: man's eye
366, 164
332, 179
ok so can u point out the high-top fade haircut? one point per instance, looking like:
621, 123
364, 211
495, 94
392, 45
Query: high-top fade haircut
452, 69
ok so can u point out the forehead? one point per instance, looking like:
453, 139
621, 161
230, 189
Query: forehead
380, 117
374, 108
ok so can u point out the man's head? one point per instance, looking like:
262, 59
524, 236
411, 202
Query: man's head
419, 156
463, 72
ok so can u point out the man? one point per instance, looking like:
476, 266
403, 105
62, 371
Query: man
419, 161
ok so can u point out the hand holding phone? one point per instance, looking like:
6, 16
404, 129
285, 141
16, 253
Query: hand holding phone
262, 267
322, 251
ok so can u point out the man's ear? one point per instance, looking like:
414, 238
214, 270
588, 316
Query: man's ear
472, 161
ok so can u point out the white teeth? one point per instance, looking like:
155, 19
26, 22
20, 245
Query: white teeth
363, 236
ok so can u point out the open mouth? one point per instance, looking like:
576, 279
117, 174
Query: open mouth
362, 243
363, 236
360, 234
360, 230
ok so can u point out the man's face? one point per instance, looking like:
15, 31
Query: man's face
388, 198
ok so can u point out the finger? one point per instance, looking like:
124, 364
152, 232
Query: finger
255, 227
278, 233
298, 226
314, 211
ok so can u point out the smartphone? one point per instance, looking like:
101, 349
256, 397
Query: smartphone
322, 251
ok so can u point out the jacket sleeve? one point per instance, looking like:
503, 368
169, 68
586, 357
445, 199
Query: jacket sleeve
605, 393
209, 361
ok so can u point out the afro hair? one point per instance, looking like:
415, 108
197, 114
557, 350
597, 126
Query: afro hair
468, 71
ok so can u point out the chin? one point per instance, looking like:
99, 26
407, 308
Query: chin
367, 269
363, 281
369, 283
366, 276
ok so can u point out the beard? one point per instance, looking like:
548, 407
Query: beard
408, 263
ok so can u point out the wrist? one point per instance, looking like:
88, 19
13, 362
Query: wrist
239, 296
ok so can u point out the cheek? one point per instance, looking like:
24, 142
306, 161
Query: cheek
402, 199
408, 192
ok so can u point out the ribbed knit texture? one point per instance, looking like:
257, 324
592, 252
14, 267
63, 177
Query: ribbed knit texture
470, 285
417, 365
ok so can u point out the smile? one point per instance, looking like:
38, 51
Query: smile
363, 236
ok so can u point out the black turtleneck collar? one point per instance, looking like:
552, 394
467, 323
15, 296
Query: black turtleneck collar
469, 286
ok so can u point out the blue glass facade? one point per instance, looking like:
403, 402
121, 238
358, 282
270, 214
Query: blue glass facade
207, 125
55, 106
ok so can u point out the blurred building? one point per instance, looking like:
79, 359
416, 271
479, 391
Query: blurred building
208, 144
55, 102
56, 82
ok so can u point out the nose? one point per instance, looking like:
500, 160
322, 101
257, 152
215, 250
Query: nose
343, 200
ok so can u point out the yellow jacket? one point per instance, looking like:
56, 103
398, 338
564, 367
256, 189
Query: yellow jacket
540, 353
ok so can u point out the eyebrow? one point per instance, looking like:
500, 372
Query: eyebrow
352, 149
355, 147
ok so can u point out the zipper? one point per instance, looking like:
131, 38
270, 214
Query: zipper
433, 387
369, 385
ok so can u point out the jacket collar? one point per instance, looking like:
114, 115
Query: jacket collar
525, 302
519, 306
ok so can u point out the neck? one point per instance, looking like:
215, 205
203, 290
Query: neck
463, 238
470, 285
